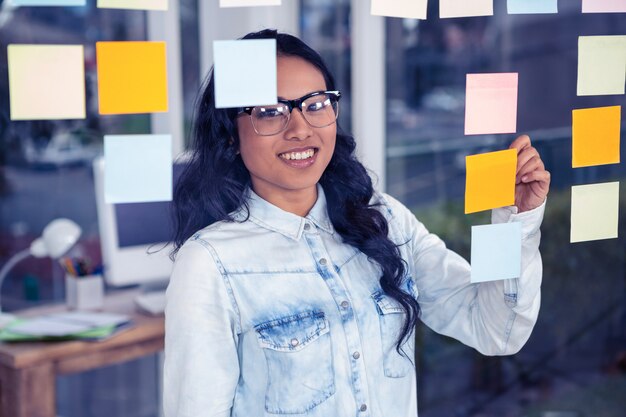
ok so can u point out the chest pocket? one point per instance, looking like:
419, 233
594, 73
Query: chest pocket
391, 316
299, 362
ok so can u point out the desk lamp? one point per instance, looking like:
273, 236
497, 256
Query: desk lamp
57, 239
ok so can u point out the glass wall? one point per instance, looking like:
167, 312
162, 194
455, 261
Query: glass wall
574, 364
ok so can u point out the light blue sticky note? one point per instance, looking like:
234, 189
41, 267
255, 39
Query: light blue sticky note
47, 2
532, 6
496, 252
245, 72
137, 168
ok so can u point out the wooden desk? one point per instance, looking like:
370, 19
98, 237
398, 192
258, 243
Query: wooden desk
28, 370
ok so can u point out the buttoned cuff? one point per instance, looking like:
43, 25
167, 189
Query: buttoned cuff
531, 219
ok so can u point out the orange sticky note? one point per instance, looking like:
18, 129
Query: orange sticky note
132, 77
490, 180
595, 136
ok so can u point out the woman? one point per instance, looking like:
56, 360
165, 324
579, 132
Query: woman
296, 287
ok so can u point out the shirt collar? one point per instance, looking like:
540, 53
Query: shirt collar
274, 218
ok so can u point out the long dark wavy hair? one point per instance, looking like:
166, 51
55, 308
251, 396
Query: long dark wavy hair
213, 182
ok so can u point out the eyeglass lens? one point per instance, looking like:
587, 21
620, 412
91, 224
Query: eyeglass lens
319, 111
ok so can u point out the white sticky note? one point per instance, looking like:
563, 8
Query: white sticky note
46, 82
601, 65
532, 6
604, 6
134, 4
496, 252
411, 9
465, 8
249, 3
46, 3
239, 83
137, 168
595, 212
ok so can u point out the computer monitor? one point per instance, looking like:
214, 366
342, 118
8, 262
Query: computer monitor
133, 236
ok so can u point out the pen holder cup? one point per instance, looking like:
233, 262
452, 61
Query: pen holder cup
84, 293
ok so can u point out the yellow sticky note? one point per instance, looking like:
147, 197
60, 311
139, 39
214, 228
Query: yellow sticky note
46, 82
595, 136
132, 77
133, 4
595, 212
490, 180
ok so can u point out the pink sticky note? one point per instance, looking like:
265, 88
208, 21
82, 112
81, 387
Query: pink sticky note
604, 6
491, 103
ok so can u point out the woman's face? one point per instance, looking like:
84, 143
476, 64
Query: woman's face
264, 156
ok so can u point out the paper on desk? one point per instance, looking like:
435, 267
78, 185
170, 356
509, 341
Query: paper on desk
491, 103
490, 180
137, 168
596, 136
604, 6
91, 318
46, 2
412, 9
134, 4
49, 326
132, 77
595, 212
465, 8
239, 84
601, 65
532, 6
496, 252
46, 82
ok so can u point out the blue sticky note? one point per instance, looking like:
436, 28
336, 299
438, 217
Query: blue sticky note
47, 2
245, 72
496, 252
532, 6
137, 168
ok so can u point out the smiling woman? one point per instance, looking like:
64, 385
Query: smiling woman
296, 285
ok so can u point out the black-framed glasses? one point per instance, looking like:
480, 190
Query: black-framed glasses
319, 109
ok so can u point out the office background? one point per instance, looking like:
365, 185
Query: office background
404, 95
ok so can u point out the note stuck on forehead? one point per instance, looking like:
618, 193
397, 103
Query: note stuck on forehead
410, 9
496, 252
46, 82
46, 2
132, 77
134, 4
490, 180
249, 3
491, 103
604, 6
601, 65
532, 6
595, 212
596, 136
137, 168
465, 8
237, 82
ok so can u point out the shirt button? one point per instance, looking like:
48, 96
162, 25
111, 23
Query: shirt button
294, 342
323, 261
307, 226
345, 304
356, 355
363, 407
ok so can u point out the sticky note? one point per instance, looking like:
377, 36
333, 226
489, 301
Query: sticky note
137, 168
249, 3
496, 252
237, 83
412, 9
491, 103
46, 82
490, 180
133, 4
465, 8
46, 2
595, 212
596, 136
132, 77
532, 6
601, 65
604, 6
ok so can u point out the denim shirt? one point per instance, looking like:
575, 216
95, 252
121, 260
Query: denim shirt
277, 316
